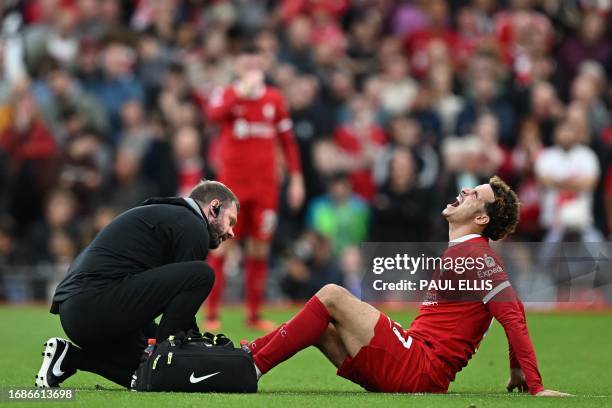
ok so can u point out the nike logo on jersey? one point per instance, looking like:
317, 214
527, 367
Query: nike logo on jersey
194, 380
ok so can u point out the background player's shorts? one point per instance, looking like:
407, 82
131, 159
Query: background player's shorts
393, 362
258, 213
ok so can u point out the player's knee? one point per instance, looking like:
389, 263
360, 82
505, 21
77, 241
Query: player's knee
258, 249
331, 294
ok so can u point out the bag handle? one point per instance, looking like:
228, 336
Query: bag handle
192, 336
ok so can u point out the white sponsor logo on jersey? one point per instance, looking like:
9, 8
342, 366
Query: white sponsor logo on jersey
243, 129
268, 111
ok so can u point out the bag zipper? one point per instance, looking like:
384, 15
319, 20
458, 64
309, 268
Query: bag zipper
155, 361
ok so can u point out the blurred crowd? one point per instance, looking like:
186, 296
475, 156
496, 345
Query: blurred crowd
395, 106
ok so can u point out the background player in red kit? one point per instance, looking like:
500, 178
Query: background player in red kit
253, 122
373, 351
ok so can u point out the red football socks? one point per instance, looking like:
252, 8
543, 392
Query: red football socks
260, 342
214, 298
256, 271
302, 331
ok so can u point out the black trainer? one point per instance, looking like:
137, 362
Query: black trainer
50, 374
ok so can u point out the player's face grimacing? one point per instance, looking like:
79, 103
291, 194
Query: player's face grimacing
469, 204
222, 226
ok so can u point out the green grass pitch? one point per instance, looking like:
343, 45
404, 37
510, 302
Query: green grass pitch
574, 353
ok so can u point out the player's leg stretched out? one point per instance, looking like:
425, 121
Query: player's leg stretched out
333, 320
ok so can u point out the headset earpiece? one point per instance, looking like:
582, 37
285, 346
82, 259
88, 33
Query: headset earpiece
216, 209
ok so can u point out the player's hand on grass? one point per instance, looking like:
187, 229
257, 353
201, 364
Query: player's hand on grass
552, 393
517, 380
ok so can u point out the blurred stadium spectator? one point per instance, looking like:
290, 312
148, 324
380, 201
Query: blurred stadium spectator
401, 209
568, 172
340, 214
395, 105
310, 265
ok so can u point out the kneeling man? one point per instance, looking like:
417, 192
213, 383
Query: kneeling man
149, 261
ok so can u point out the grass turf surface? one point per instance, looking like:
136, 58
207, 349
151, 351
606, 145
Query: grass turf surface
574, 353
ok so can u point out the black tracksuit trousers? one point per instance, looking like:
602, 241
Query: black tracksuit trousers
111, 325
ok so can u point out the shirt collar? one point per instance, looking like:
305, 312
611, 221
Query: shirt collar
192, 203
465, 238
259, 93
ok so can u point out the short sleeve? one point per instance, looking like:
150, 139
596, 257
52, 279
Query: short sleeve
486, 277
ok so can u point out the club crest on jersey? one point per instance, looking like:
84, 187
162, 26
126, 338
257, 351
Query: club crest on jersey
268, 111
431, 299
241, 128
489, 261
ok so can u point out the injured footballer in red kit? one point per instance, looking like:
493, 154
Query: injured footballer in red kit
370, 349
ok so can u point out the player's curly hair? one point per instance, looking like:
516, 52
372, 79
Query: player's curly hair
504, 212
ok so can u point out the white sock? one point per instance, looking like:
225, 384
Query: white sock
257, 371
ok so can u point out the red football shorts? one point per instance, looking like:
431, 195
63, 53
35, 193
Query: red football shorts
258, 212
393, 362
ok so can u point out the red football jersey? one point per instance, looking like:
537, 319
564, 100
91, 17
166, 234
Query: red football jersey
453, 322
250, 129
